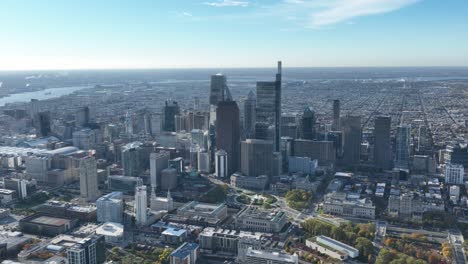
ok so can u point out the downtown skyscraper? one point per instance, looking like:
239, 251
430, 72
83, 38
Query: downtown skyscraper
351, 128
268, 111
249, 114
382, 146
403, 141
336, 115
228, 133
308, 130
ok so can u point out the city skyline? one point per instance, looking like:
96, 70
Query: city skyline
144, 34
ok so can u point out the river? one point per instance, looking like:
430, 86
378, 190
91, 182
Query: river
40, 95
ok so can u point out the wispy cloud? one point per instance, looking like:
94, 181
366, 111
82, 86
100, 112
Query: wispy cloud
312, 14
226, 3
344, 10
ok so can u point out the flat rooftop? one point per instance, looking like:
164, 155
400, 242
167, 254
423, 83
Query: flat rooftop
48, 220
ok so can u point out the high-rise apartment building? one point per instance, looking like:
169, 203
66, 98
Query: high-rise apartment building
382, 147
110, 208
88, 179
141, 204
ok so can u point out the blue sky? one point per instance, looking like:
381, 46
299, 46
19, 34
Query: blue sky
90, 34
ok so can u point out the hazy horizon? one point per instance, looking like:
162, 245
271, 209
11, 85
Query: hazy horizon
178, 34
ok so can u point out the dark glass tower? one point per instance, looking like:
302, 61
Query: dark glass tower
308, 124
268, 111
170, 110
382, 146
351, 128
228, 133
336, 115
249, 115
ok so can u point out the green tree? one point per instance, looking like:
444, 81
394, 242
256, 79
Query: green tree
365, 248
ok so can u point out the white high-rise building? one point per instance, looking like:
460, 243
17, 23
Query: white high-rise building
88, 179
454, 173
203, 161
141, 204
221, 164
110, 208
158, 162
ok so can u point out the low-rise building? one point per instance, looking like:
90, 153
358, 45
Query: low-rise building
46, 225
256, 219
174, 235
340, 204
270, 257
332, 248
249, 182
113, 233
210, 213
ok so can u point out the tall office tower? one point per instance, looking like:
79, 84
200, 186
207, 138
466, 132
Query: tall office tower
194, 149
268, 111
454, 173
218, 89
249, 114
156, 124
221, 164
323, 151
131, 159
170, 110
110, 208
308, 121
177, 164
90, 250
351, 128
204, 165
199, 137
382, 147
42, 124
158, 162
169, 179
82, 117
336, 115
423, 138
459, 154
142, 122
403, 141
128, 123
141, 204
228, 133
88, 179
196, 103
256, 157
34, 108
